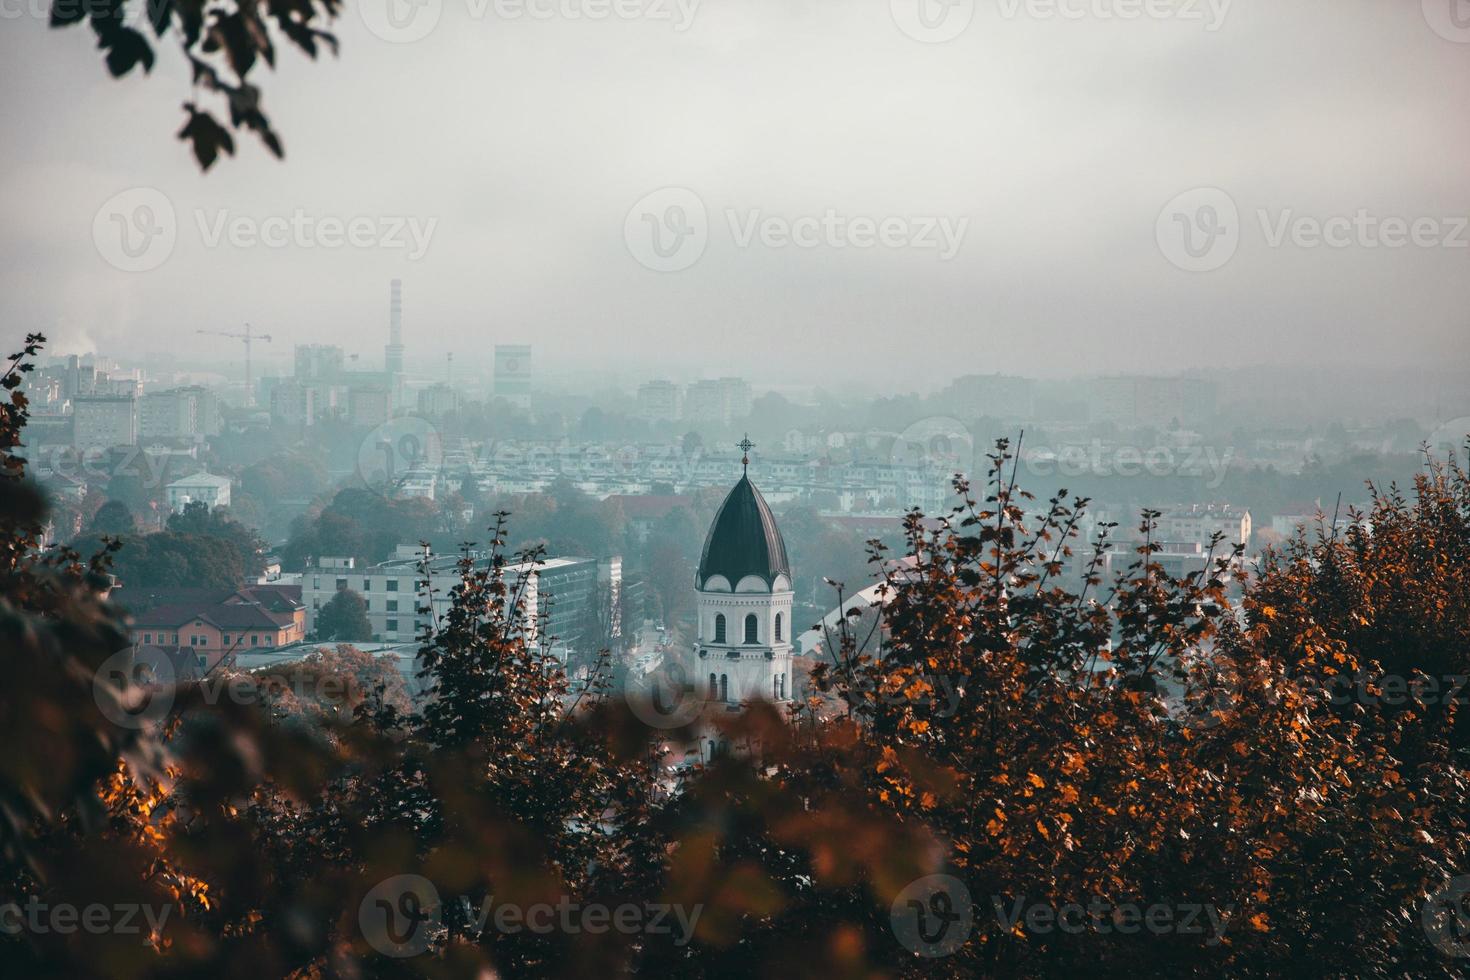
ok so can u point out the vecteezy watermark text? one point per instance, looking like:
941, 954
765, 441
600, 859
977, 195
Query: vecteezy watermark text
1202, 229
136, 230
400, 916
669, 230
40, 918
1102, 917
406, 21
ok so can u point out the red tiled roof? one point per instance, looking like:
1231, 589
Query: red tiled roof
255, 607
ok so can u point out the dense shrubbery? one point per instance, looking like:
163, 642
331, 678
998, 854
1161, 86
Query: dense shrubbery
1192, 784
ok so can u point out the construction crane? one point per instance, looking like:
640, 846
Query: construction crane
248, 337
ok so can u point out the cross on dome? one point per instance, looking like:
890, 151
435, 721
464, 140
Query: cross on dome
745, 446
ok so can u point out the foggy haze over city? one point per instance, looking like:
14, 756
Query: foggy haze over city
850, 489
521, 144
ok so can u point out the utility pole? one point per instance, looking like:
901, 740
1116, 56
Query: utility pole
248, 337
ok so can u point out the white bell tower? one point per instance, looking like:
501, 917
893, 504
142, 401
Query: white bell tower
742, 652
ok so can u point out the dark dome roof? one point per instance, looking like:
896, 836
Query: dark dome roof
743, 540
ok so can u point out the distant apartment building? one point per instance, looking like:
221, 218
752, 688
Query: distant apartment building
104, 422
210, 624
437, 401
513, 374
178, 413
369, 406
1199, 522
1139, 400
206, 488
720, 400
564, 596
737, 395
998, 396
319, 362
705, 401
660, 401
293, 404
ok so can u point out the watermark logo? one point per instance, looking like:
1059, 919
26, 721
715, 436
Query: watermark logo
663, 698
1448, 439
935, 442
400, 916
1210, 13
1450, 19
1445, 915
403, 447
668, 230
933, 917
932, 21
135, 230
133, 692
1199, 230
401, 21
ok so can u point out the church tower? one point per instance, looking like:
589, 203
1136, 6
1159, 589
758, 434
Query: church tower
743, 594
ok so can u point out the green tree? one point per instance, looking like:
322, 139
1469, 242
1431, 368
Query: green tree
113, 518
344, 618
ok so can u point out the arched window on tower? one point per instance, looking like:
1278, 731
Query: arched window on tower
713, 686
750, 629
778, 627
724, 687
719, 627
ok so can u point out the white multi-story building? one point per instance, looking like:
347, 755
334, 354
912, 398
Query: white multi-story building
707, 401
104, 422
513, 374
205, 488
660, 401
1198, 523
178, 413
562, 595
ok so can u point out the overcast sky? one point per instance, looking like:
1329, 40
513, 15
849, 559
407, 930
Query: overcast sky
1000, 200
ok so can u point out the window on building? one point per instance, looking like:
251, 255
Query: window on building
713, 686
254, 640
392, 605
147, 637
392, 626
751, 629
724, 687
367, 585
224, 639
341, 584
391, 585
719, 627
776, 687
778, 627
